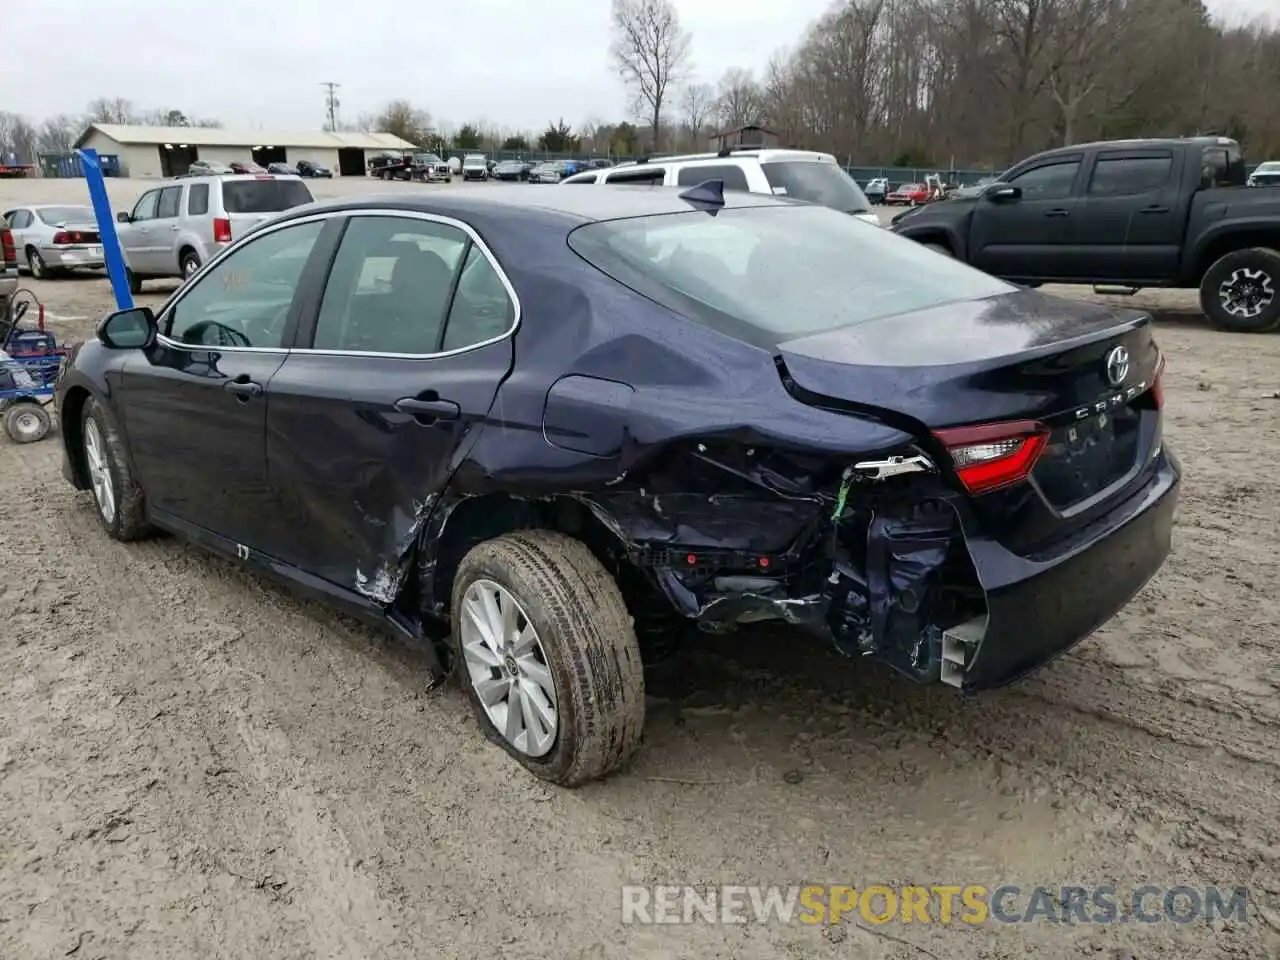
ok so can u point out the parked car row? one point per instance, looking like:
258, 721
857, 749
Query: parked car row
171, 231
214, 168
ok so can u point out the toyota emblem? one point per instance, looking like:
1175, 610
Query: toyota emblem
1117, 366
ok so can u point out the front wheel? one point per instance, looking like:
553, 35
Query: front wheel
1240, 292
548, 655
119, 499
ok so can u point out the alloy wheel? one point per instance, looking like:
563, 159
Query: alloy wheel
508, 668
35, 263
95, 452
1247, 292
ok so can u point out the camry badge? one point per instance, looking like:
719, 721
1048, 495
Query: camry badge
1117, 366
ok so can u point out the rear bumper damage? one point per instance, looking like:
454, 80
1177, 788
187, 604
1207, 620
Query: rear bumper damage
902, 575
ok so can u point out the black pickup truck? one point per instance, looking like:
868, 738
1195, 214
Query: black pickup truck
392, 166
1120, 216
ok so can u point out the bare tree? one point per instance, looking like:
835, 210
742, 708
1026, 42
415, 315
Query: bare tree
697, 102
651, 53
112, 110
402, 119
739, 99
58, 134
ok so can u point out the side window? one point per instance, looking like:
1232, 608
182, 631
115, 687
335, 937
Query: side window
20, 219
198, 199
638, 175
244, 300
733, 176
482, 309
583, 178
1052, 182
145, 208
168, 205
1124, 176
389, 287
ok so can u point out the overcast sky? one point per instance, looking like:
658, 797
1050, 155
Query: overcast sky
513, 63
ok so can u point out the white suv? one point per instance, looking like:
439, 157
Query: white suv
801, 174
178, 226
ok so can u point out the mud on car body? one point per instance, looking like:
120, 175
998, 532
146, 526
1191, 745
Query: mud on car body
557, 420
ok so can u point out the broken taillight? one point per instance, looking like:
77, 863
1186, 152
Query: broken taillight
993, 455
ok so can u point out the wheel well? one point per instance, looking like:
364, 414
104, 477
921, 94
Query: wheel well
1232, 242
934, 237
72, 427
30, 249
477, 519
182, 254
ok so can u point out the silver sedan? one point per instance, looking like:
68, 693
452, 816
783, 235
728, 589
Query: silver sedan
51, 239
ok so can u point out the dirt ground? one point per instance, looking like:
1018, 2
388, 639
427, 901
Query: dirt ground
195, 764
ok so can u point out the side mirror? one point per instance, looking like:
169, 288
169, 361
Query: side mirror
1002, 193
134, 329
123, 218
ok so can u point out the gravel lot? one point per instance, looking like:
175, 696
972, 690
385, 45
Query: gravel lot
195, 764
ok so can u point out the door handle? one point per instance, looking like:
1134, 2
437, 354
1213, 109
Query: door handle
174, 228
1057, 212
1154, 208
429, 409
243, 387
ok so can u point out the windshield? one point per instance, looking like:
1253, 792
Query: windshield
816, 182
56, 215
771, 274
473, 161
263, 196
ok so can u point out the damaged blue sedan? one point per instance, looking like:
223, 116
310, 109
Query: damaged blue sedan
561, 424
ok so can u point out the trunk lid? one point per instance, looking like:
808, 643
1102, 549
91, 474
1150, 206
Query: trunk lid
1082, 370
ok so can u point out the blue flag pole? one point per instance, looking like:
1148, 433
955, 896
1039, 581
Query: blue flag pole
111, 251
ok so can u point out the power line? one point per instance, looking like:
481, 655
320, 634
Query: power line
331, 102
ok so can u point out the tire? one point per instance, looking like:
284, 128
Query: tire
584, 641
189, 263
939, 248
121, 505
35, 263
1255, 270
135, 281
26, 422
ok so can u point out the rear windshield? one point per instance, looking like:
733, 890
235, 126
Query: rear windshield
263, 196
56, 215
816, 182
771, 274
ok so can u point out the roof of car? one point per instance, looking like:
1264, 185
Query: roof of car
1140, 144
605, 203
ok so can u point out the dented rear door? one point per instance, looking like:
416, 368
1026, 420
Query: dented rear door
404, 354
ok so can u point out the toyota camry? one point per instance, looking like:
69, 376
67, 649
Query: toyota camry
556, 423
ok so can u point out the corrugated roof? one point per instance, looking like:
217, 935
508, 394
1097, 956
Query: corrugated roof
231, 137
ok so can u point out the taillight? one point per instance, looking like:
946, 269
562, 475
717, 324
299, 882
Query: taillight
221, 230
994, 455
7, 249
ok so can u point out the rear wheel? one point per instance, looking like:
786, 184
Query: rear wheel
120, 501
135, 281
1240, 292
36, 264
25, 421
190, 264
546, 651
